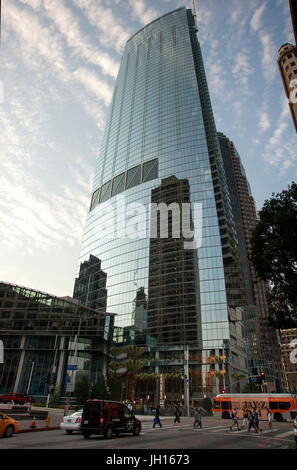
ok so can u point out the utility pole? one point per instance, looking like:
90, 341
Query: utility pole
187, 380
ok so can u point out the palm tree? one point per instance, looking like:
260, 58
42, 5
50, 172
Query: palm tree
127, 363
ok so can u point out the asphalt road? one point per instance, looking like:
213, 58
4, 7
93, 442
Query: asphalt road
215, 434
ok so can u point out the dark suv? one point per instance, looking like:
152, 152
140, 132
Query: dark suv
108, 418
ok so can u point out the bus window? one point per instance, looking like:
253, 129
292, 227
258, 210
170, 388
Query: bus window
284, 405
217, 405
226, 405
273, 405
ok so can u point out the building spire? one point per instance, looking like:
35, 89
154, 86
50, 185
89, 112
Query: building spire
194, 14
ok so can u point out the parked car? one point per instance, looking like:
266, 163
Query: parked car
108, 418
8, 426
295, 429
17, 398
71, 422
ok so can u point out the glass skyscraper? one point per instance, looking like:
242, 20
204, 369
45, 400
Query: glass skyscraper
182, 292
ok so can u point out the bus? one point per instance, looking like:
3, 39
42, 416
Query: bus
282, 405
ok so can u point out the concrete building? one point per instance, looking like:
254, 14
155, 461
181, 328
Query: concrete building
263, 345
49, 341
287, 63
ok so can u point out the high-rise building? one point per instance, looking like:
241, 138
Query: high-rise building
289, 345
287, 63
263, 344
160, 146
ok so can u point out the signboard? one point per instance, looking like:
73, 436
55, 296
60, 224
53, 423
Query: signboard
71, 367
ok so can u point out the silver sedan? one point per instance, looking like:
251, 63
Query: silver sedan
71, 422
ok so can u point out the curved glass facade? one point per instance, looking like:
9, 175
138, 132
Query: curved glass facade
160, 290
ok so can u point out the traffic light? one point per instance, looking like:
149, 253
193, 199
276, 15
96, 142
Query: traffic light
223, 391
262, 376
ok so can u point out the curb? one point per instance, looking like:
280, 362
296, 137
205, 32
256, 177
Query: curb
38, 429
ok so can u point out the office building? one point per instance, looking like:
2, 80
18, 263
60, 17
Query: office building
160, 146
49, 342
263, 345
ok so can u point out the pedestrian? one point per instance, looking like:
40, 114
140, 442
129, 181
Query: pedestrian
235, 420
245, 418
256, 421
197, 421
269, 418
28, 405
157, 417
130, 408
251, 421
177, 415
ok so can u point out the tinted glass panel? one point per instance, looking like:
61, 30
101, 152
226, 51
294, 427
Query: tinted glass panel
284, 405
105, 191
217, 405
118, 184
273, 405
133, 177
226, 405
150, 170
95, 198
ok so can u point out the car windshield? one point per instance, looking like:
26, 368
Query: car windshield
77, 413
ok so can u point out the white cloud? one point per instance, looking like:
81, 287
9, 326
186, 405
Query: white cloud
142, 12
256, 21
264, 122
281, 149
112, 33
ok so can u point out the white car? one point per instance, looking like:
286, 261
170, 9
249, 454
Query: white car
71, 422
295, 429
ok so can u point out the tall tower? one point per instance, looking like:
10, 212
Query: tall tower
161, 131
263, 345
287, 63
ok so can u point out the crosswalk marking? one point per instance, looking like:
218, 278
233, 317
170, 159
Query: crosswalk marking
222, 429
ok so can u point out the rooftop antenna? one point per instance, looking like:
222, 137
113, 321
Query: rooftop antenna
194, 15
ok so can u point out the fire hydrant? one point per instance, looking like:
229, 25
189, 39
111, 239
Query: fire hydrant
47, 421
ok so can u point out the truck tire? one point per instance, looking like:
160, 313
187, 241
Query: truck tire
108, 433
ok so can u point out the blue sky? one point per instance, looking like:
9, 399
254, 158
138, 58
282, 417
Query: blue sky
59, 62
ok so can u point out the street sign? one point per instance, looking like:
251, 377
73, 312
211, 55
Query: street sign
71, 367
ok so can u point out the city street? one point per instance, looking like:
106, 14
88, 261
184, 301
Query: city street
215, 434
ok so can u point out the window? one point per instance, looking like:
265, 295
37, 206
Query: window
290, 76
284, 405
118, 184
150, 170
293, 63
295, 71
226, 405
95, 198
133, 177
273, 405
284, 61
287, 68
217, 405
290, 56
105, 191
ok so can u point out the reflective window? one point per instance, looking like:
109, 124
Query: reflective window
105, 191
133, 177
150, 170
118, 184
95, 199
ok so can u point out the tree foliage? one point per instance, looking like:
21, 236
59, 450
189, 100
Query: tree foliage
274, 255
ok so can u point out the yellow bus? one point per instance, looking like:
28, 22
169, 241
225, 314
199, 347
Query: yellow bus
282, 405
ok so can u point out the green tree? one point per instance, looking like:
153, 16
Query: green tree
82, 391
251, 388
55, 398
238, 378
274, 255
127, 363
99, 390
